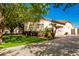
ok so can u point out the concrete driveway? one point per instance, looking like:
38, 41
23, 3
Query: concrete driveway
60, 46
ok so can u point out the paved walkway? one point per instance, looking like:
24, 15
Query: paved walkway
66, 45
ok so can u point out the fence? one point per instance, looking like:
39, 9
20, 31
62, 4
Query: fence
75, 31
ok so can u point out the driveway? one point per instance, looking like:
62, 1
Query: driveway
60, 46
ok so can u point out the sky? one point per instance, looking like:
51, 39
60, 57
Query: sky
71, 14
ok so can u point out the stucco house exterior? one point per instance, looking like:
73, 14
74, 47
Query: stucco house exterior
64, 27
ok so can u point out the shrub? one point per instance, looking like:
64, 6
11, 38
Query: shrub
66, 33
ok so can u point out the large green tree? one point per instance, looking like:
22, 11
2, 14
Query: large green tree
17, 14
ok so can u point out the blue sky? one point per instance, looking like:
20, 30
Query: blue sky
71, 14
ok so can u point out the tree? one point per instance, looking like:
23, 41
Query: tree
31, 14
17, 14
11, 16
1, 22
65, 5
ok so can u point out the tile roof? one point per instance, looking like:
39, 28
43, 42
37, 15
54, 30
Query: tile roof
61, 22
56, 21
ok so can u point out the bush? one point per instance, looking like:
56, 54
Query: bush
45, 32
34, 33
66, 33
16, 40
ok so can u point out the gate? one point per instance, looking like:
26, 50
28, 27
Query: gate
73, 31
78, 31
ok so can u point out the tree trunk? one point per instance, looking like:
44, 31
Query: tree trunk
22, 29
1, 34
1, 27
11, 32
53, 33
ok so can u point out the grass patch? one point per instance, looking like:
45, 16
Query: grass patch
11, 41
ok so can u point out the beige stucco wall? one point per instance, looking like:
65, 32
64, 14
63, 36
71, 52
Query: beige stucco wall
76, 31
45, 23
59, 24
61, 31
66, 28
69, 26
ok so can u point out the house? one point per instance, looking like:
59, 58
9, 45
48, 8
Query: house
40, 25
64, 27
44, 23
